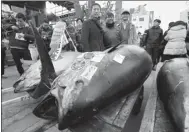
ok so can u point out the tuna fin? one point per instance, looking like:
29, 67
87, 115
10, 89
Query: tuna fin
48, 72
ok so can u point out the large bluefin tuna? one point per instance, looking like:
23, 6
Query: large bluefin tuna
173, 89
92, 82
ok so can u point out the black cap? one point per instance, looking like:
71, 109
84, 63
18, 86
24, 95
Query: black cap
157, 20
125, 12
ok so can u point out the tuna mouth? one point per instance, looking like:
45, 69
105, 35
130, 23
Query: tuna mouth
47, 109
19, 87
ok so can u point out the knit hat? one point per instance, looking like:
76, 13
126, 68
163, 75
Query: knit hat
125, 12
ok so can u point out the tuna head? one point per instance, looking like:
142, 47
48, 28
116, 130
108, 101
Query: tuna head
173, 89
94, 81
31, 78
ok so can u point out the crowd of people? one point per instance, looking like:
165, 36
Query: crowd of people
91, 35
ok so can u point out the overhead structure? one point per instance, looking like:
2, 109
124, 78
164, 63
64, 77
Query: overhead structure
38, 5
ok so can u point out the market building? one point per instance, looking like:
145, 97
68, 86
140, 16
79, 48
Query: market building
142, 18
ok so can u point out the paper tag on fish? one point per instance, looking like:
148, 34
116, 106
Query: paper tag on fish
119, 58
89, 72
18, 36
98, 57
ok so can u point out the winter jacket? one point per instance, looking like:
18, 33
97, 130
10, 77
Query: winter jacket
78, 40
46, 30
92, 36
112, 36
187, 40
129, 34
176, 40
154, 37
20, 44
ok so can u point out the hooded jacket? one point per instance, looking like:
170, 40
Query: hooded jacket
176, 40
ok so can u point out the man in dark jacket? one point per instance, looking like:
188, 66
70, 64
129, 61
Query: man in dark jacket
187, 41
154, 37
78, 34
19, 40
112, 34
46, 30
92, 32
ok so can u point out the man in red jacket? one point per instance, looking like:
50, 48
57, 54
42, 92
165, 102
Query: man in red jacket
19, 40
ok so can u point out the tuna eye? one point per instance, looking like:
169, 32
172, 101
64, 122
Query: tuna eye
79, 83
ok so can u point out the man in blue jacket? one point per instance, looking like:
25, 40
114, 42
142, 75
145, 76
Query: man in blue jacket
19, 39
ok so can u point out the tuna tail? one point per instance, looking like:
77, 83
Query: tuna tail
48, 72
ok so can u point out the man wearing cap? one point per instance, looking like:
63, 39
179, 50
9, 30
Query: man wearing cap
128, 30
112, 34
154, 37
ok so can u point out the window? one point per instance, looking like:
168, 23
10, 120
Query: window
134, 19
141, 19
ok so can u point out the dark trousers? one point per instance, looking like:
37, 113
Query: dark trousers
20, 54
154, 53
3, 54
169, 57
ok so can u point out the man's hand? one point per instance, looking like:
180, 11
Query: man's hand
14, 27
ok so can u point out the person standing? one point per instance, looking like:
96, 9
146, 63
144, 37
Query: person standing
79, 22
128, 30
46, 30
19, 41
176, 46
187, 41
92, 32
112, 34
139, 39
4, 45
154, 37
164, 42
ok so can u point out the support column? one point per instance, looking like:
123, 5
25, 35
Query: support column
118, 10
